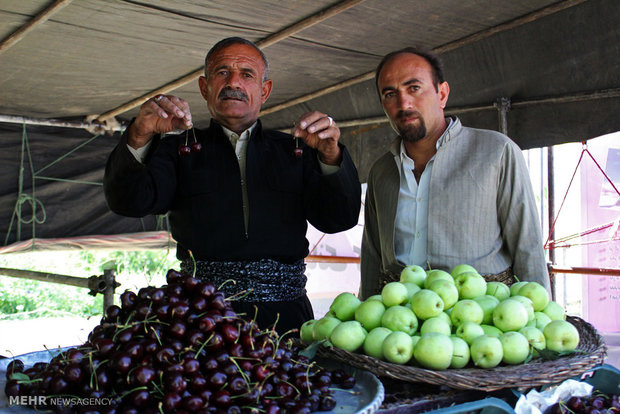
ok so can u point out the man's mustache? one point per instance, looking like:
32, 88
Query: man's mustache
229, 93
407, 114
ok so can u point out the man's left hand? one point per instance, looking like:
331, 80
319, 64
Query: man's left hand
319, 131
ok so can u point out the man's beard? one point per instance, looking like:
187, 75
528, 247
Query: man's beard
412, 132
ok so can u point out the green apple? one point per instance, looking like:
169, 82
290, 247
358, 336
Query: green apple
555, 311
394, 293
529, 306
446, 290
561, 336
426, 304
498, 289
434, 274
344, 306
348, 335
436, 324
536, 293
535, 337
445, 315
491, 330
470, 285
415, 339
487, 303
375, 297
306, 333
413, 274
468, 331
434, 351
460, 353
510, 315
397, 347
514, 288
400, 318
466, 310
374, 342
540, 320
515, 346
369, 314
412, 288
323, 327
486, 351
462, 268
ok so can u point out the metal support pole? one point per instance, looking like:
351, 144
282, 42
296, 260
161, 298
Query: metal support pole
503, 106
105, 284
551, 214
48, 277
109, 276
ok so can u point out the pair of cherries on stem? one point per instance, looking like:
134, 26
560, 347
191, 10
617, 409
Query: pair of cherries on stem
298, 151
195, 147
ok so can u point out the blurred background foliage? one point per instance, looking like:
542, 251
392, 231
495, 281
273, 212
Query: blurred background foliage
26, 299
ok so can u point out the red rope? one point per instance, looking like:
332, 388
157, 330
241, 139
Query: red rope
586, 232
603, 172
551, 244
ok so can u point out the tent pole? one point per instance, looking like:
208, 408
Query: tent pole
528, 18
579, 97
263, 43
57, 123
37, 20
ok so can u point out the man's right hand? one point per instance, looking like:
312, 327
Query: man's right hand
158, 115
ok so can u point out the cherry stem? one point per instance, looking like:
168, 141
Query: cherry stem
294, 387
132, 390
273, 328
159, 390
239, 295
192, 256
350, 391
245, 377
233, 281
204, 344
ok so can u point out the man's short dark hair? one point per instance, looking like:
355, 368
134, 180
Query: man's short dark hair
430, 57
224, 43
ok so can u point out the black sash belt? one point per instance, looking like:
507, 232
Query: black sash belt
264, 280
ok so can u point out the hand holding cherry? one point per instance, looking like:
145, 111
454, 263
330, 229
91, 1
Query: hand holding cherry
319, 131
159, 115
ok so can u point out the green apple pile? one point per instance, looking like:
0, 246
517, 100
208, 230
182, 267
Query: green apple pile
440, 320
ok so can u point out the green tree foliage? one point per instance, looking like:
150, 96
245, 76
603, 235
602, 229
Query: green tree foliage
23, 298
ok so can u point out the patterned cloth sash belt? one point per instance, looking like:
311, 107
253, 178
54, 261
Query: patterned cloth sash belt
506, 277
265, 280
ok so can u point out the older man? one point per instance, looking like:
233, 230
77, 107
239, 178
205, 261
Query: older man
444, 194
238, 196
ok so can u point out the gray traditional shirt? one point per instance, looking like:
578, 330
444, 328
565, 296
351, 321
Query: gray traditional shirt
481, 210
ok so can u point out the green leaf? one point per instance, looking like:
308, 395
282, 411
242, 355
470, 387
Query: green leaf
311, 350
550, 355
20, 376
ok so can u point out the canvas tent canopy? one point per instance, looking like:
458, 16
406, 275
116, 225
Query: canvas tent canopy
545, 72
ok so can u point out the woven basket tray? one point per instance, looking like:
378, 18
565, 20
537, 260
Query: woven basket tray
535, 373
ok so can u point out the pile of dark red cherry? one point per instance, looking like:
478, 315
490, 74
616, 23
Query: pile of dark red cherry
596, 403
180, 348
